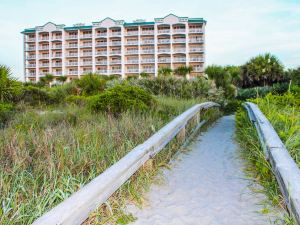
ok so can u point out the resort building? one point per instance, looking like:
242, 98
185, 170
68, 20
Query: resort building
114, 47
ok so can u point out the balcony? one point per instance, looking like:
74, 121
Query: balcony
30, 39
57, 55
163, 41
44, 56
149, 60
44, 65
56, 38
198, 69
71, 63
86, 36
86, 63
115, 33
101, 34
71, 54
57, 65
176, 60
178, 31
115, 43
196, 59
132, 43
30, 74
145, 42
196, 40
101, 71
57, 73
179, 50
163, 31
147, 32
87, 54
133, 70
164, 50
196, 30
132, 61
44, 47
57, 47
71, 37
86, 45
132, 33
101, 62
113, 71
196, 49
101, 53
43, 73
30, 65
30, 57
30, 49
73, 72
72, 46
100, 44
149, 70
115, 53
44, 38
115, 62
132, 52
179, 40
164, 60
148, 51
86, 71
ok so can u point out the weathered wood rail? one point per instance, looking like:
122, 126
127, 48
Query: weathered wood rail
76, 209
284, 167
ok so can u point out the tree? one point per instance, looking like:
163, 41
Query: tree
262, 70
165, 71
9, 86
144, 75
294, 75
91, 84
48, 78
183, 71
62, 79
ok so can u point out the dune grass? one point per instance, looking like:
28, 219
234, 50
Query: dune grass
46, 154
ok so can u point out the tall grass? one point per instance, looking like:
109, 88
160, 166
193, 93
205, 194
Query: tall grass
48, 154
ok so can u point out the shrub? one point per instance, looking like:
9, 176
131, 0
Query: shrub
34, 95
77, 100
231, 106
91, 84
10, 88
5, 112
122, 98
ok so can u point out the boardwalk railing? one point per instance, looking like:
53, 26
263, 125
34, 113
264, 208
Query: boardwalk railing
76, 208
284, 167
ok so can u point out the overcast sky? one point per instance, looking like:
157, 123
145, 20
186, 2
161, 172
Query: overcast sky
236, 29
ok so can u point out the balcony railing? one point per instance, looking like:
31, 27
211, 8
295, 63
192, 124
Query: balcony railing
196, 49
163, 31
179, 60
196, 40
163, 41
86, 71
101, 34
100, 44
44, 38
86, 45
147, 41
73, 72
30, 39
44, 47
30, 57
148, 51
57, 64
148, 32
136, 70
44, 65
115, 43
131, 43
86, 36
132, 51
176, 31
30, 74
197, 30
56, 38
30, 65
115, 62
198, 69
115, 71
101, 71
115, 33
56, 55
150, 60
132, 33
57, 47
163, 50
72, 54
103, 53
71, 63
132, 61
43, 56
164, 60
101, 62
115, 52
149, 70
197, 59
72, 46
179, 50
86, 54
86, 63
72, 37
57, 73
43, 73
179, 40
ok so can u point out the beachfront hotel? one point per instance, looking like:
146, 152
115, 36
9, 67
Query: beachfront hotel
114, 47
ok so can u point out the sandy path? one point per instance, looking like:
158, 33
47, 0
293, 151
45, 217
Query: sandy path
205, 186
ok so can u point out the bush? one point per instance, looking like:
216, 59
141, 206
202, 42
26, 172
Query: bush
122, 98
34, 95
231, 106
5, 112
77, 100
91, 84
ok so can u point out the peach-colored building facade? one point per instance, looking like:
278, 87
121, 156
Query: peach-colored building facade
114, 47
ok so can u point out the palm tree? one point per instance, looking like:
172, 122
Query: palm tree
183, 71
9, 86
165, 71
62, 79
48, 78
144, 75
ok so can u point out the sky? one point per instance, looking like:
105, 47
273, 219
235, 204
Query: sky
236, 29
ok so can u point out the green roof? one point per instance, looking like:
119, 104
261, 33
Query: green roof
138, 24
196, 20
29, 30
79, 27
